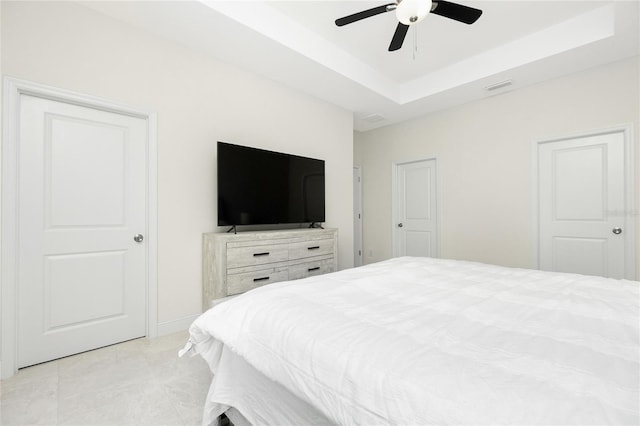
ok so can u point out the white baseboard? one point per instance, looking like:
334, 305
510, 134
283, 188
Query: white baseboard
174, 326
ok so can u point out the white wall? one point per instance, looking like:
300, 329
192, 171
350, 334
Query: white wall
199, 101
484, 152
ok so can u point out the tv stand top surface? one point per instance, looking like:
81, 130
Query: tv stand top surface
297, 234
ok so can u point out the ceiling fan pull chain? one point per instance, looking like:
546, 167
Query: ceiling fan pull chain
415, 41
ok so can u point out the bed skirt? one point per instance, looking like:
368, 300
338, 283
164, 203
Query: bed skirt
245, 395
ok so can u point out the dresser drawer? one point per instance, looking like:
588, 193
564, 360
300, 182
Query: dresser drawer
311, 248
308, 269
256, 255
245, 281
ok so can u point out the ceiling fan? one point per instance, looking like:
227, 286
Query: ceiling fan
410, 12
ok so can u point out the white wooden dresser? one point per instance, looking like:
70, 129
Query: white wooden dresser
235, 263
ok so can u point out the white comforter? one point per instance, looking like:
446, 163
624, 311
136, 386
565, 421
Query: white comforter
415, 341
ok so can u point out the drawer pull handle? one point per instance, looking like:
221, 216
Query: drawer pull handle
266, 253
313, 248
313, 269
260, 279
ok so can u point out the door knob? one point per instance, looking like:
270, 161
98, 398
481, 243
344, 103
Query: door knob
138, 238
617, 230
400, 225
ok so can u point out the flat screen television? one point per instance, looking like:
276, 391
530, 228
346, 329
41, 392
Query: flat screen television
260, 187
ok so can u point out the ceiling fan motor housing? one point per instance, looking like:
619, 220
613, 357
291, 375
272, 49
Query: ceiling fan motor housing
411, 11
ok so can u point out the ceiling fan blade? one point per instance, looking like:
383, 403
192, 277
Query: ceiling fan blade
456, 11
363, 14
398, 37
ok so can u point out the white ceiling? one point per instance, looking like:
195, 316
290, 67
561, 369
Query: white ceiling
443, 63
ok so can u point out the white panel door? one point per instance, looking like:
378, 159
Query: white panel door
82, 197
582, 204
416, 217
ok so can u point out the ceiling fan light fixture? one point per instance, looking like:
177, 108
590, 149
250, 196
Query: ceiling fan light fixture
411, 11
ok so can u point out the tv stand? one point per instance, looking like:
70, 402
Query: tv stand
235, 263
234, 229
315, 225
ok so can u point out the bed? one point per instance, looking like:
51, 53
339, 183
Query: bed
417, 341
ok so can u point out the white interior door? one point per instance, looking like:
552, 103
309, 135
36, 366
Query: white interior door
416, 224
581, 214
82, 197
357, 216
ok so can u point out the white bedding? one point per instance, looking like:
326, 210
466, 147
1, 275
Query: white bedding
429, 341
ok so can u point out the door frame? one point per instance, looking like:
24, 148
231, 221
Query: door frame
631, 207
358, 238
13, 89
394, 204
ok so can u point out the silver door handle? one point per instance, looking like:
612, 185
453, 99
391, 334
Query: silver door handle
617, 230
400, 225
138, 238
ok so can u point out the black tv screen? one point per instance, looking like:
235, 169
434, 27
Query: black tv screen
259, 187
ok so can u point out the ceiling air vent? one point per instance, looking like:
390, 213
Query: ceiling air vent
373, 118
499, 85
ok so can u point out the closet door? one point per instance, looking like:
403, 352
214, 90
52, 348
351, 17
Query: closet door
582, 205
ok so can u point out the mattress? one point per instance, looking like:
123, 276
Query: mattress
432, 341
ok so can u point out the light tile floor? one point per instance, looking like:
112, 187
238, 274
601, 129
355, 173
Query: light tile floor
140, 382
